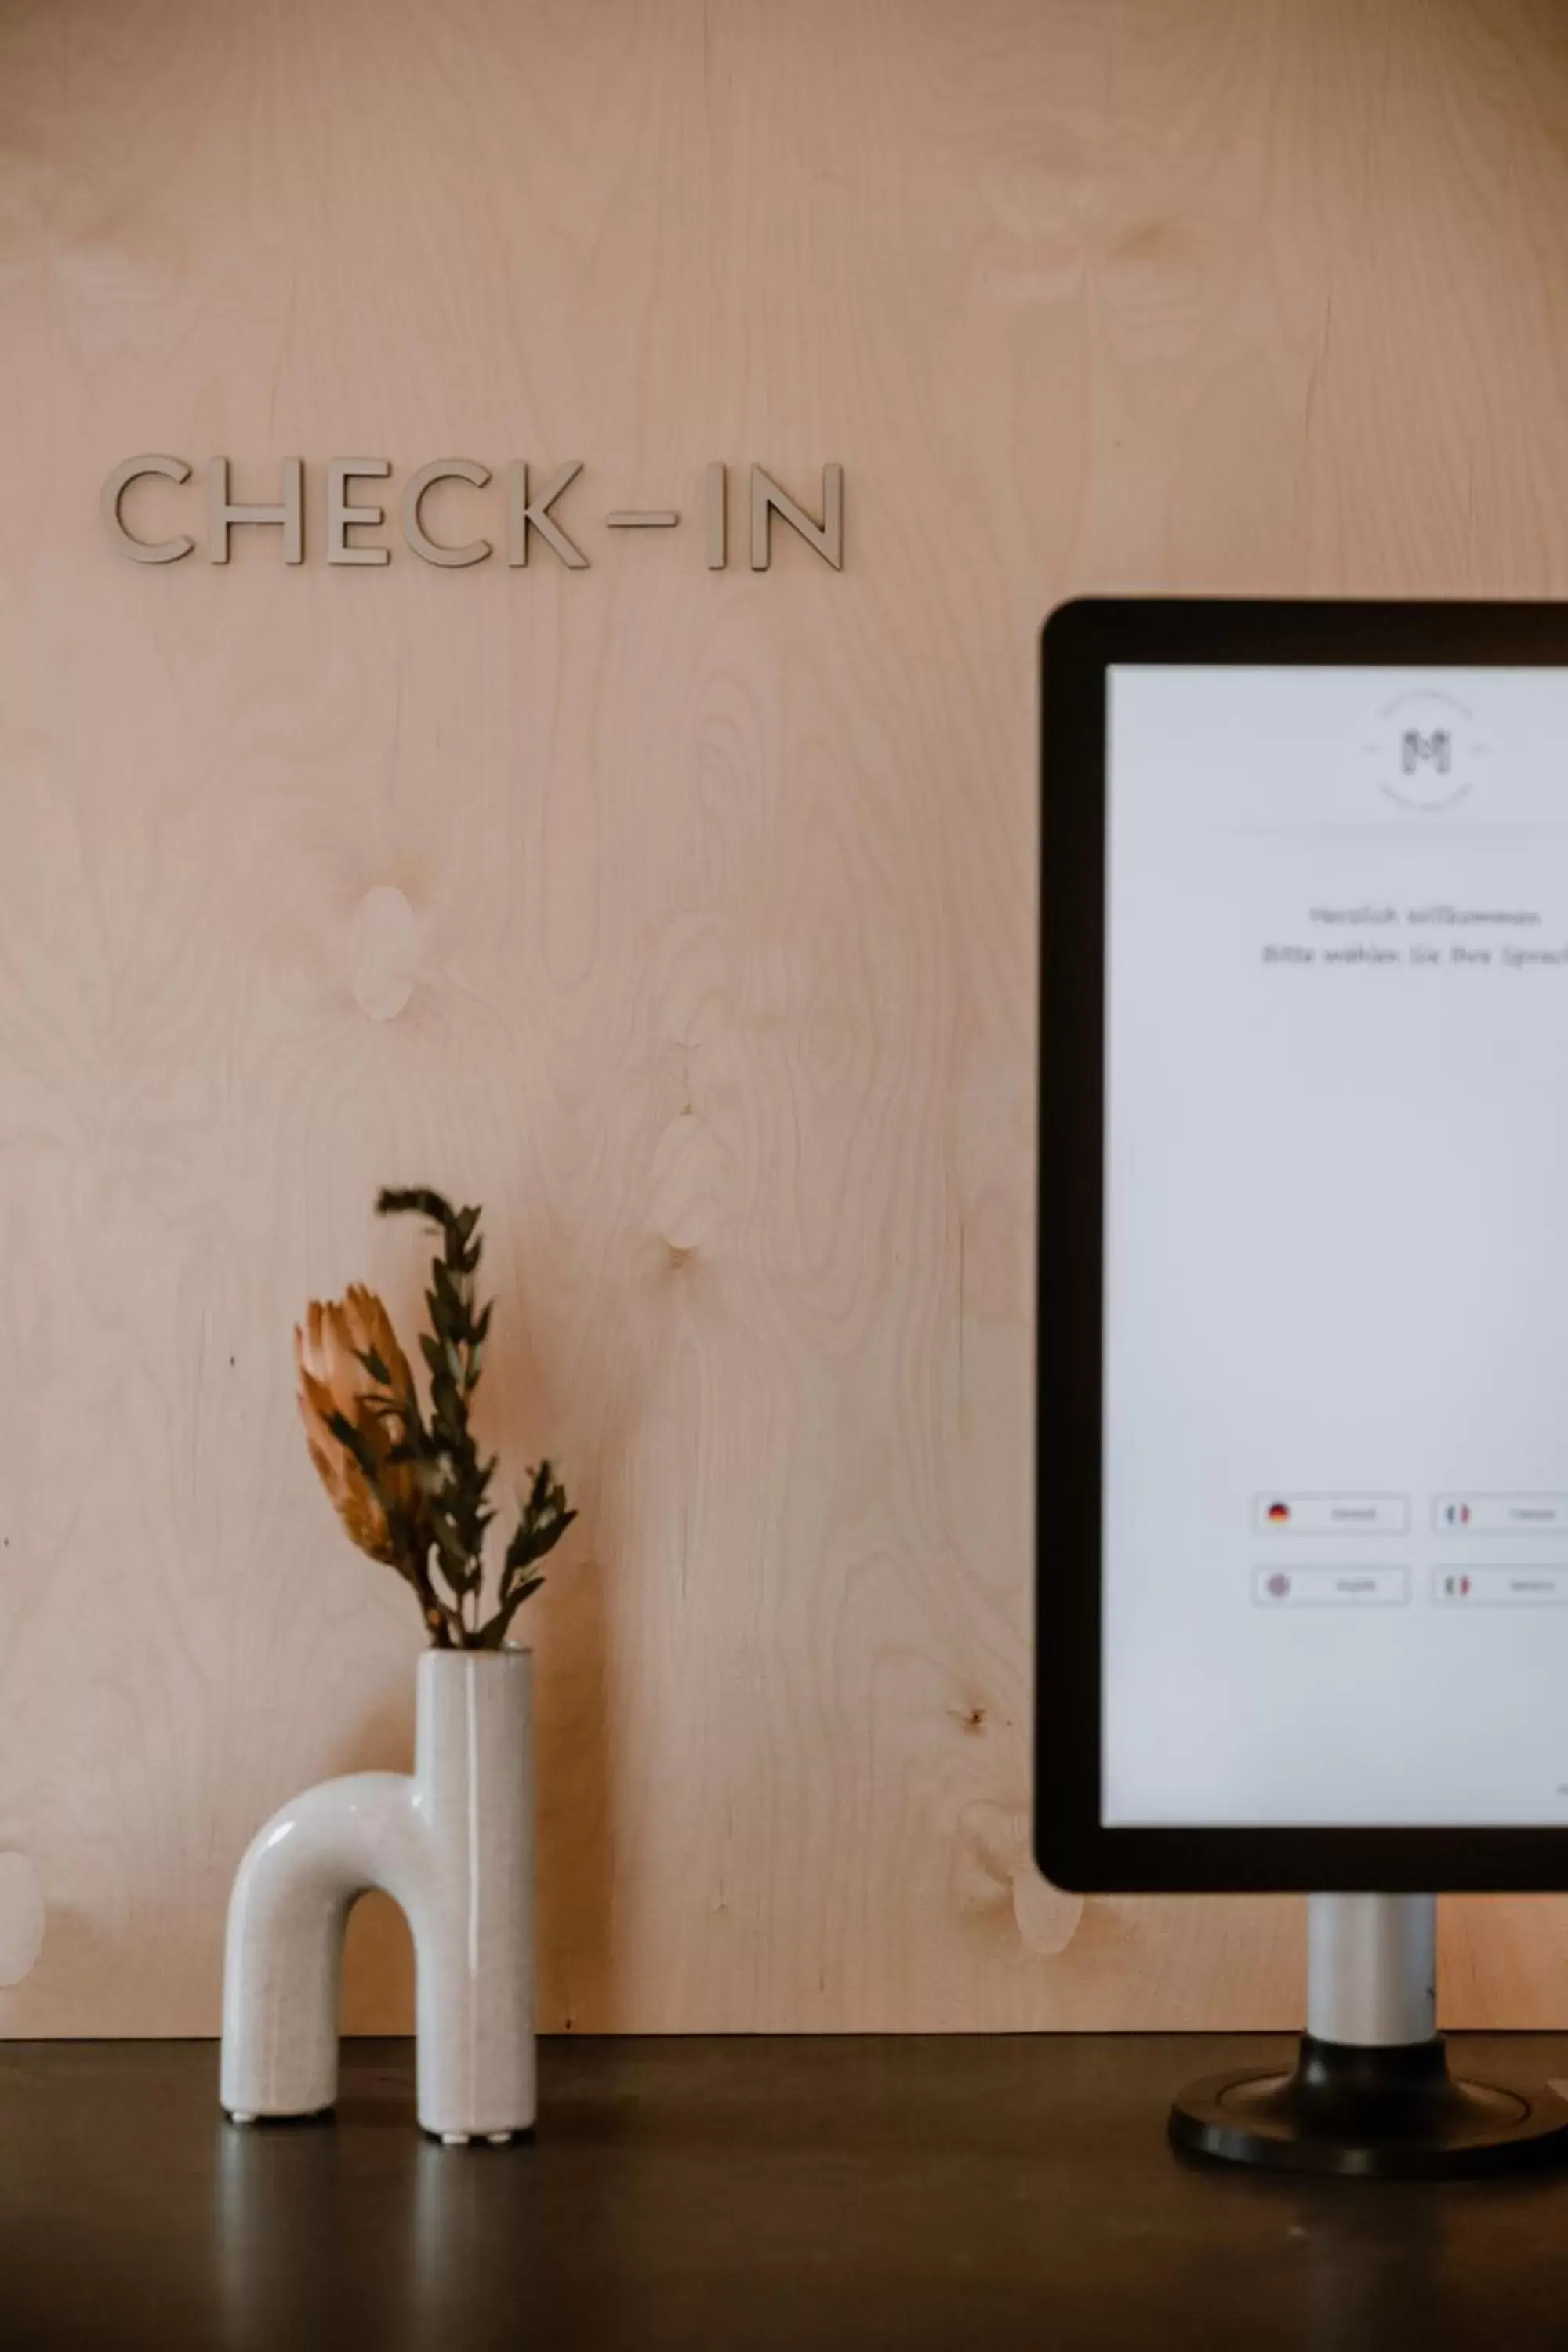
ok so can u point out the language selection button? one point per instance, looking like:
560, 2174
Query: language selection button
1274, 1514
1330, 1588
1500, 1515
1499, 1588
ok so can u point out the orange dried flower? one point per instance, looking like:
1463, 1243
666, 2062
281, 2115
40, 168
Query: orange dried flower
333, 1382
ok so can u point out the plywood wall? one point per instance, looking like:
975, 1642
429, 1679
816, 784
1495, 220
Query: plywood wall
683, 918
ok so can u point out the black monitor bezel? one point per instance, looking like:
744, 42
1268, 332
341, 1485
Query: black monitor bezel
1073, 1845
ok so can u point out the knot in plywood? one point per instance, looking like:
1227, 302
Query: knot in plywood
385, 953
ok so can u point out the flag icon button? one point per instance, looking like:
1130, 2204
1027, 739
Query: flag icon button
1278, 1513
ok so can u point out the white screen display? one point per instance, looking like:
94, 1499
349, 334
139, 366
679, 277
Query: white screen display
1336, 1309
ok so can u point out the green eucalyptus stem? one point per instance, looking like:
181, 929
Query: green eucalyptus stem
442, 1538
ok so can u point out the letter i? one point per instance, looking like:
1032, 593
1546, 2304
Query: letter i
714, 490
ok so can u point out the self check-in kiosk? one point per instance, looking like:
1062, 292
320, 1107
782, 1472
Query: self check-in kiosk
1302, 1465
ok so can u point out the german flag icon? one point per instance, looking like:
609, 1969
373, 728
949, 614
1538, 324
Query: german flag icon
1279, 1515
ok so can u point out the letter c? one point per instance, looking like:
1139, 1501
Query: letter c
142, 551
458, 469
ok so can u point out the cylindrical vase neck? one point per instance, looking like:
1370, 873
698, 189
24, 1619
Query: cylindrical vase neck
473, 1709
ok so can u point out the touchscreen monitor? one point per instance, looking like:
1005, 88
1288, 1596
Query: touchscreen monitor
1306, 1038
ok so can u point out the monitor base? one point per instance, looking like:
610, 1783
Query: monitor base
1389, 2111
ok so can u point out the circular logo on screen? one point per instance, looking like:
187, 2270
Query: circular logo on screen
1424, 751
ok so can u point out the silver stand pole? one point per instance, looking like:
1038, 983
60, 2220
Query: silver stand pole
1372, 1969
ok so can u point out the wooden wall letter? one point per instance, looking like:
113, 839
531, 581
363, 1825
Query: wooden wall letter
142, 551
442, 469
715, 483
341, 516
827, 537
290, 515
526, 514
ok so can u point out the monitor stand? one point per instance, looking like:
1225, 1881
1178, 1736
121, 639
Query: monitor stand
1371, 2092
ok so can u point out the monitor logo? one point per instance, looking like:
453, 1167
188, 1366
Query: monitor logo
1415, 747
1424, 751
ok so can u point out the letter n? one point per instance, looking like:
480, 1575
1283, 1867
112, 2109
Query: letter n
827, 536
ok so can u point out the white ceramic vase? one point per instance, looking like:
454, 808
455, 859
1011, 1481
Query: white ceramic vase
452, 1844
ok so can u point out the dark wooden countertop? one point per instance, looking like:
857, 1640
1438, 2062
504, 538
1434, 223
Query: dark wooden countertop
745, 2195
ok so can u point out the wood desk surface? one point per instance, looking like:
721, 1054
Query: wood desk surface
744, 2195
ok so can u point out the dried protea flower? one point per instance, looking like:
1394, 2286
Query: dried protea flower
407, 1477
352, 1375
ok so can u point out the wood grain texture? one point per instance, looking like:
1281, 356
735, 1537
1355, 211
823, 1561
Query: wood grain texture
686, 919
